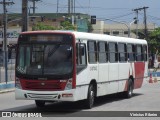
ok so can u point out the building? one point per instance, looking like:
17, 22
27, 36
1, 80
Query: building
118, 29
14, 25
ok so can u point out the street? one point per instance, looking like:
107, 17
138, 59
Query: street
146, 98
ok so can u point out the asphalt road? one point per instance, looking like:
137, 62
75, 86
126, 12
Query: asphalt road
146, 98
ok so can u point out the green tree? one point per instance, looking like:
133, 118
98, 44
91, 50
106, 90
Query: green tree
66, 25
141, 34
154, 40
41, 26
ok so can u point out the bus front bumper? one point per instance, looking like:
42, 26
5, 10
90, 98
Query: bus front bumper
67, 95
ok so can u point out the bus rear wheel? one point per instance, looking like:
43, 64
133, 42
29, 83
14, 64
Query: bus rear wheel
129, 92
40, 103
91, 97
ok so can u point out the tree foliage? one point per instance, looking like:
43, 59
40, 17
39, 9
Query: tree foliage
154, 40
141, 34
155, 34
41, 26
66, 25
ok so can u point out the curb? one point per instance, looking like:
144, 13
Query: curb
9, 87
7, 90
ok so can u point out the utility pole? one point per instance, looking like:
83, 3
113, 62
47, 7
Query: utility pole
24, 15
5, 42
72, 6
71, 10
145, 23
69, 7
136, 10
145, 20
74, 11
57, 8
34, 5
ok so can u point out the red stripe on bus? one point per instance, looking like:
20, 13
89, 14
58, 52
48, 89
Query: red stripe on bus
74, 61
139, 74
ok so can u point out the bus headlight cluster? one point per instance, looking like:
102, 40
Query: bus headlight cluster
69, 85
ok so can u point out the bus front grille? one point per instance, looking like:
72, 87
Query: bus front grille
42, 85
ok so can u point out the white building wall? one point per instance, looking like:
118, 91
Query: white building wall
122, 29
98, 27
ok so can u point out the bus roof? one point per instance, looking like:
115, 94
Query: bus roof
92, 36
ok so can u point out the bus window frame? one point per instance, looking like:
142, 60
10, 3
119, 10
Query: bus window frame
145, 56
133, 52
95, 52
124, 52
137, 45
105, 52
116, 53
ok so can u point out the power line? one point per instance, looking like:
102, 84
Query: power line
34, 5
57, 8
145, 20
122, 15
80, 6
156, 18
151, 19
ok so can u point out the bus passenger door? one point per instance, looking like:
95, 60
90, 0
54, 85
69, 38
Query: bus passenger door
81, 59
82, 71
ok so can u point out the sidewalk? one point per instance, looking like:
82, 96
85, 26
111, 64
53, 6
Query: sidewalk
10, 86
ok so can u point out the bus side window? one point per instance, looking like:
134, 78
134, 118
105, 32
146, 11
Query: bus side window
81, 54
122, 52
131, 52
113, 52
102, 52
139, 53
92, 52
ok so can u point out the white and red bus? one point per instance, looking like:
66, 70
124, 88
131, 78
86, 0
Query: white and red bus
73, 66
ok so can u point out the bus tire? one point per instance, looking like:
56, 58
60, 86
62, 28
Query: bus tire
129, 92
40, 103
90, 97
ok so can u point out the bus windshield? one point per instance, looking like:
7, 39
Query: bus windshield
44, 59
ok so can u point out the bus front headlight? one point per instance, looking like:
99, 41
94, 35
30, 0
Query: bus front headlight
69, 85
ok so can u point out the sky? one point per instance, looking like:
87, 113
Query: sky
120, 10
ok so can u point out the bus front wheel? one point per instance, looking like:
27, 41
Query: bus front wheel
91, 97
129, 92
40, 103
